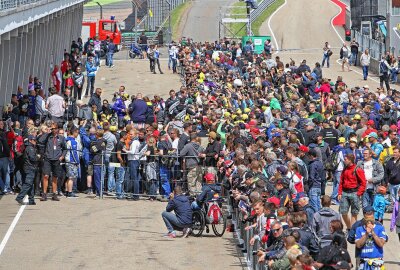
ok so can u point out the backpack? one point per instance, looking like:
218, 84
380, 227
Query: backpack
329, 52
332, 163
214, 213
18, 146
383, 68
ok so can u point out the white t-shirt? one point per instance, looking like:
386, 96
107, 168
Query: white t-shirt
368, 173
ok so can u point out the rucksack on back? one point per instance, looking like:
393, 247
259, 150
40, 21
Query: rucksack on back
18, 146
214, 213
332, 162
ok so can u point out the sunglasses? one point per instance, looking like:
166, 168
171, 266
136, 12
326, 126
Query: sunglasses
275, 230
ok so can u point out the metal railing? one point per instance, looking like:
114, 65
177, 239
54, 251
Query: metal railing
11, 4
260, 9
376, 48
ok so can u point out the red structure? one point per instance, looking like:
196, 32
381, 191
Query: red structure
340, 19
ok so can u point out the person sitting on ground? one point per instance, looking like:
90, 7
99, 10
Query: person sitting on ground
182, 219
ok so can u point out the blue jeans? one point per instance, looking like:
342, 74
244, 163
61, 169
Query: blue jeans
325, 57
315, 196
353, 59
7, 181
110, 56
135, 176
3, 172
368, 198
90, 85
164, 177
97, 58
98, 175
28, 179
120, 180
171, 222
394, 192
365, 72
336, 180
174, 63
394, 74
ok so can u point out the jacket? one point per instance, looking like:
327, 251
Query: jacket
91, 69
55, 147
119, 107
352, 178
321, 224
86, 141
96, 149
4, 148
316, 170
191, 150
78, 79
31, 158
207, 193
180, 204
212, 149
138, 111
378, 172
395, 217
392, 172
95, 99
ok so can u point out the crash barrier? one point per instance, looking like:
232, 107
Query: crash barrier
244, 236
155, 175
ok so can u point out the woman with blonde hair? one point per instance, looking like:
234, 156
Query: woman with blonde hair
151, 168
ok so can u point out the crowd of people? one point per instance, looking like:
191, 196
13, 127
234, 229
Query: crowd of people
272, 134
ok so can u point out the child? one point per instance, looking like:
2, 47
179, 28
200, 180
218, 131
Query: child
259, 225
380, 203
395, 222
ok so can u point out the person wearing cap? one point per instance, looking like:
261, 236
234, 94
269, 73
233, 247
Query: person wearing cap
282, 186
374, 145
351, 187
339, 151
370, 128
209, 190
30, 166
190, 152
308, 132
212, 151
374, 174
316, 174
72, 160
302, 203
352, 148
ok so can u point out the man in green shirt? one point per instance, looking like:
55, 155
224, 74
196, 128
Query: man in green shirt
313, 113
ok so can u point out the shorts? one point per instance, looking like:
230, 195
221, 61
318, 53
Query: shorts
52, 167
72, 170
349, 200
143, 47
90, 170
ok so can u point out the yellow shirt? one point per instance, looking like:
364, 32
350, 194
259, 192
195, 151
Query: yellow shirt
385, 153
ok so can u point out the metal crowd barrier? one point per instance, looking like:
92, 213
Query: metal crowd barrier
243, 237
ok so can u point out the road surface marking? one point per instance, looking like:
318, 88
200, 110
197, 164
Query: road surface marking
340, 37
12, 226
269, 25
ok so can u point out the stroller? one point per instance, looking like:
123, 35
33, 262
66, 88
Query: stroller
135, 51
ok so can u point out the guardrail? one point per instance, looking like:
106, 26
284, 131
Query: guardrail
260, 9
10, 4
376, 48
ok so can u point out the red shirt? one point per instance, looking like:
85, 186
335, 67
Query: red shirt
352, 179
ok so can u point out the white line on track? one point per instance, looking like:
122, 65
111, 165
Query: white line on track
269, 25
12, 226
340, 37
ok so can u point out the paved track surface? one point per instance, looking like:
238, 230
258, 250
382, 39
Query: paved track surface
202, 20
305, 25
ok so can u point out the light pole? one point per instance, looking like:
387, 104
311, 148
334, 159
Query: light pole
135, 10
101, 10
169, 21
388, 26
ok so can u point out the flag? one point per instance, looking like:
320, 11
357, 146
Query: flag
150, 13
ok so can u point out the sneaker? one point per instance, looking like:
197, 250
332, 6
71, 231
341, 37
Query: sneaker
20, 201
72, 195
60, 193
187, 232
88, 191
120, 198
110, 193
170, 235
335, 202
32, 203
113, 66
55, 198
161, 72
44, 197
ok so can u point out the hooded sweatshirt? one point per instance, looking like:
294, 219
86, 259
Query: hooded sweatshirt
321, 223
191, 150
180, 204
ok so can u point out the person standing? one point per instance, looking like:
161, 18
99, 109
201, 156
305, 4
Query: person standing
392, 174
157, 59
344, 56
354, 52
152, 59
54, 153
327, 54
95, 99
351, 188
97, 149
121, 157
365, 61
143, 44
134, 165
138, 111
78, 80
111, 48
315, 176
91, 70
72, 160
384, 68
56, 107
31, 162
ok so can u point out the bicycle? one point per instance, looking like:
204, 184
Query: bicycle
200, 222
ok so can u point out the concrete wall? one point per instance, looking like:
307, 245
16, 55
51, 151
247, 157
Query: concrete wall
34, 48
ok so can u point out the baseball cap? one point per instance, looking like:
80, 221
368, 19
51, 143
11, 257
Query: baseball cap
310, 123
370, 122
282, 169
213, 135
342, 265
299, 196
342, 140
393, 127
357, 117
366, 86
304, 148
368, 209
373, 134
353, 140
274, 200
209, 177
